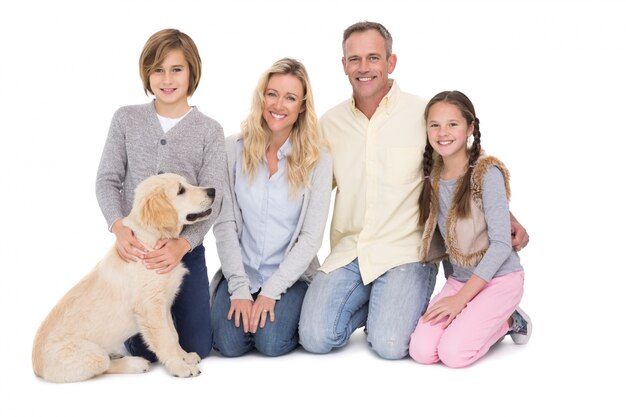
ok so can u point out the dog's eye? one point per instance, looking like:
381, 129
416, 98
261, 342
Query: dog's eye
181, 190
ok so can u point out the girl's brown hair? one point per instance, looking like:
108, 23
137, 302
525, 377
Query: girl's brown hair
461, 199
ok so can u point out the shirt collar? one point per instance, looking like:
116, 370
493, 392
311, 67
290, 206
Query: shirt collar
285, 149
386, 103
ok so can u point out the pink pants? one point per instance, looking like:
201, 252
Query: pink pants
477, 327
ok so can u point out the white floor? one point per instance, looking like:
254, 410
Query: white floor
551, 375
349, 381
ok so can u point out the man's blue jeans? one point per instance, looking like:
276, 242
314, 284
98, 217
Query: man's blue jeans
338, 303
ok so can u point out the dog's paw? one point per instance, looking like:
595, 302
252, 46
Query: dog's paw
139, 365
181, 369
129, 365
191, 358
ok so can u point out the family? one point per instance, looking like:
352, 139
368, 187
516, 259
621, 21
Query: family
413, 190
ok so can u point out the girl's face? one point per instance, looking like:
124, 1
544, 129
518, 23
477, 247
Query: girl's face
448, 130
283, 104
170, 81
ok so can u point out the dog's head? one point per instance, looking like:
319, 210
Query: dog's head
165, 203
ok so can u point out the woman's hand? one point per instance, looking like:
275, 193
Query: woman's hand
260, 310
241, 309
166, 255
126, 244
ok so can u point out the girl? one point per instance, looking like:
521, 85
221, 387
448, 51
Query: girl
273, 217
165, 135
464, 205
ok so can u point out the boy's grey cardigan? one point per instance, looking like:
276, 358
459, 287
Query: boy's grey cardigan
137, 148
300, 261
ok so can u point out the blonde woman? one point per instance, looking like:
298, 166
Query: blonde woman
272, 221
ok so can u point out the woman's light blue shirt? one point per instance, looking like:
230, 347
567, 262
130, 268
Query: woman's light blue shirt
270, 216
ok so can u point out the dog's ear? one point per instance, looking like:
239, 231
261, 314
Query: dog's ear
158, 213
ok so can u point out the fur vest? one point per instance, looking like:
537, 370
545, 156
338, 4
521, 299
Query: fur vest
467, 238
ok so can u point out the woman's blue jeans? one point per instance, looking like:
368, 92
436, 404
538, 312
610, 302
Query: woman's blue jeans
276, 338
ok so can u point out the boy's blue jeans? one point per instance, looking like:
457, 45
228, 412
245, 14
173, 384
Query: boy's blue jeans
191, 311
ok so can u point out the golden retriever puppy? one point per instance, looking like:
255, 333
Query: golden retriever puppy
118, 299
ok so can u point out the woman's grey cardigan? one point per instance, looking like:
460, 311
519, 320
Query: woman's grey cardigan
300, 261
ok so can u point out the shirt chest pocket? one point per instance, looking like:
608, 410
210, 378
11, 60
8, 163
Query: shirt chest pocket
403, 164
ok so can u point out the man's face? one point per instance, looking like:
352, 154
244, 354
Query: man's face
366, 64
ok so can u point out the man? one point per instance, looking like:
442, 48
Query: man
373, 275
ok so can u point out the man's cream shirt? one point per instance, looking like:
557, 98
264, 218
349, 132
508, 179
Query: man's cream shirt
377, 168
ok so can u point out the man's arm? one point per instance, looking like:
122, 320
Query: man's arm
519, 236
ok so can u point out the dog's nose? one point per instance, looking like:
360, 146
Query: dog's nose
210, 192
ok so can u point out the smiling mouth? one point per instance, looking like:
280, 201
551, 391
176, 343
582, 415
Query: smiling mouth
196, 216
277, 116
365, 79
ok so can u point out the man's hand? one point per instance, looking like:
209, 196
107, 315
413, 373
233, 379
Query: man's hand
519, 236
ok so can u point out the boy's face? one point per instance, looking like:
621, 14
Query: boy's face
170, 81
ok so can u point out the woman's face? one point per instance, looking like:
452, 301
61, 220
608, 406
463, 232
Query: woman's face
284, 96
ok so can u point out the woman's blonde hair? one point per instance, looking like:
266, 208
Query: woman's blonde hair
306, 138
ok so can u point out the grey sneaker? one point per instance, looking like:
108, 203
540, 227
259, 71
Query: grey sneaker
522, 327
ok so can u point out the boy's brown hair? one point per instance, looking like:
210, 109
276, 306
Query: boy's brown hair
156, 49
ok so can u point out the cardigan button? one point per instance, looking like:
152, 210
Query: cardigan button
163, 141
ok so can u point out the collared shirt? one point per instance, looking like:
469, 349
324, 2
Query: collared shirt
270, 216
300, 261
377, 171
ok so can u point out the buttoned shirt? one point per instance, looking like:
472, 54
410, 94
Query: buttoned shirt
270, 216
378, 174
300, 262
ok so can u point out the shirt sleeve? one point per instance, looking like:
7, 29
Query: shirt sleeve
211, 174
112, 172
227, 236
498, 218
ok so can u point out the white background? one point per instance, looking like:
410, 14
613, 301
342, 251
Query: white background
547, 80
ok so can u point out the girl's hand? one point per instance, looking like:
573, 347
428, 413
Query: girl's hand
445, 307
166, 255
241, 309
261, 308
126, 244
